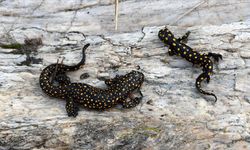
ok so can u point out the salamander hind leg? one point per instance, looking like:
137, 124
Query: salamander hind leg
134, 101
215, 56
71, 108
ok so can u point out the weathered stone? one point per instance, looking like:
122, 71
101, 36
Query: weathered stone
241, 82
172, 114
247, 61
247, 98
232, 62
227, 138
240, 145
245, 54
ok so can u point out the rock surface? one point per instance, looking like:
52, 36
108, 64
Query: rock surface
173, 115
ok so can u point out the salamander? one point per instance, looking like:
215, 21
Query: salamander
179, 48
119, 89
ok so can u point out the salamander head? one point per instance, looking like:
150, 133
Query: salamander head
128, 82
165, 35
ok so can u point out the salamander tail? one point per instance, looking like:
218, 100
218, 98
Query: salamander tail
202, 77
81, 63
56, 72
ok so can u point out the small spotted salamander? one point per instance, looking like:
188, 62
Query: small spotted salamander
119, 88
177, 47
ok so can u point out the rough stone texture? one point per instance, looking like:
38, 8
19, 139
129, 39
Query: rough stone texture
173, 115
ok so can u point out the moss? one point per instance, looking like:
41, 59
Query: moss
29, 47
151, 132
165, 61
16, 46
136, 138
11, 46
151, 129
146, 131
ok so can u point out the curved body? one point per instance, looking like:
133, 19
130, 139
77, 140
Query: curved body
119, 88
177, 47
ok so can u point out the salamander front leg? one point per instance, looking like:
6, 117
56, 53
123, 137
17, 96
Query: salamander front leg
215, 56
71, 108
184, 38
134, 101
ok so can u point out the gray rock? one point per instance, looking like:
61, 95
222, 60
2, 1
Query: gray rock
172, 115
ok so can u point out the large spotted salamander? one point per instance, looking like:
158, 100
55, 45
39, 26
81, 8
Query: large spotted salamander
119, 89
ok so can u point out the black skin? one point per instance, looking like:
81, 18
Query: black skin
62, 79
177, 47
118, 92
